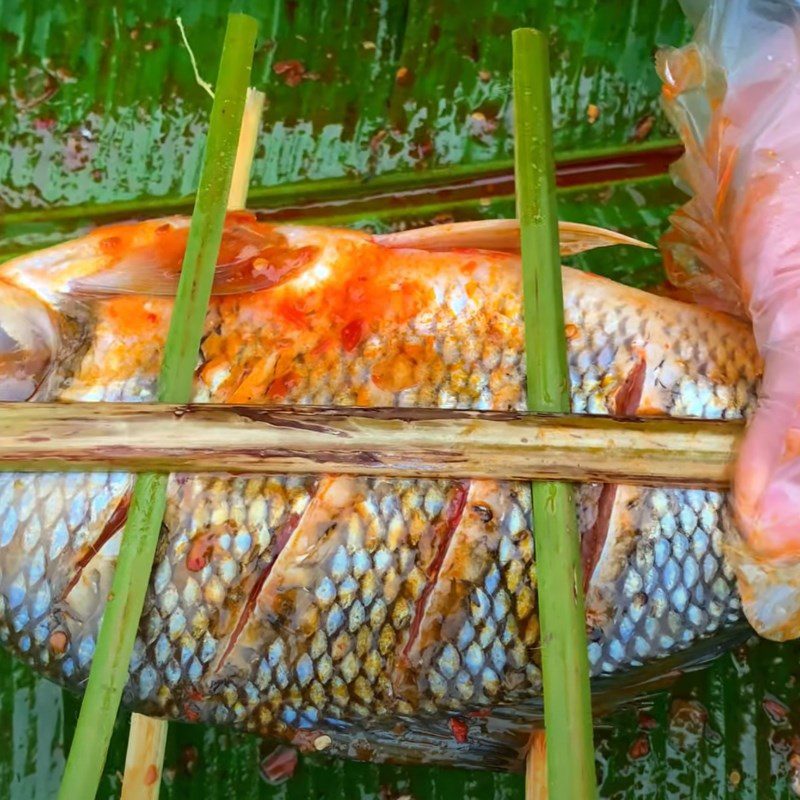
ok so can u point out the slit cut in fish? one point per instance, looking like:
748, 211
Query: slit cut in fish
626, 404
116, 522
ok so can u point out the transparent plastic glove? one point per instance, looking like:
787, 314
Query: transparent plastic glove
734, 96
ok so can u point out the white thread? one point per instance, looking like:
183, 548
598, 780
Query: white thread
200, 82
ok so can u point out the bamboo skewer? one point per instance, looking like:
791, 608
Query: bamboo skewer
148, 736
141, 437
144, 758
246, 149
536, 767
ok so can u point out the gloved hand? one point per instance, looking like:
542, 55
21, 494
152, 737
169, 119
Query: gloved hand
734, 96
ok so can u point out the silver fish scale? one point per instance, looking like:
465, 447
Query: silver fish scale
488, 648
720, 383
697, 375
601, 353
352, 597
488, 374
470, 372
476, 369
51, 523
219, 533
358, 599
675, 586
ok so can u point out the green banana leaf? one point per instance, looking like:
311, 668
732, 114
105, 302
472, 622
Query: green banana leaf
381, 115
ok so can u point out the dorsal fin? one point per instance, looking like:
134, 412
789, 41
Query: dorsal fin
502, 235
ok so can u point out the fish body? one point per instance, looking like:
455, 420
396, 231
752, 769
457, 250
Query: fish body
369, 611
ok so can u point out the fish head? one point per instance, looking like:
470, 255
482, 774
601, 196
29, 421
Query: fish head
29, 342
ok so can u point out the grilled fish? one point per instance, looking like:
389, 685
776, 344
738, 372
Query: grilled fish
366, 614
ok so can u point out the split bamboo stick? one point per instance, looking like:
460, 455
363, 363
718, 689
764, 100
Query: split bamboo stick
140, 437
536, 767
144, 758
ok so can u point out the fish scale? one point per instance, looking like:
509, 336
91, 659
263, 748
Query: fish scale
663, 573
367, 618
208, 583
481, 633
370, 609
49, 505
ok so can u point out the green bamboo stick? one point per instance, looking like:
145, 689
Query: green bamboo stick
565, 664
109, 672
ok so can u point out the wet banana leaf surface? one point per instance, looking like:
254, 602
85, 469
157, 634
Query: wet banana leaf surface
381, 115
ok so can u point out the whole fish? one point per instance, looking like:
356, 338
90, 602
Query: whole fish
375, 617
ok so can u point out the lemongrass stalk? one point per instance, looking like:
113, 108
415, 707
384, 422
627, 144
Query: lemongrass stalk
147, 737
565, 664
109, 671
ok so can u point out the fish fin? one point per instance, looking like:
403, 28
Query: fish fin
496, 738
609, 691
503, 235
493, 741
146, 259
28, 343
575, 237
